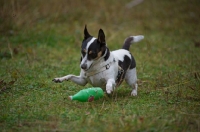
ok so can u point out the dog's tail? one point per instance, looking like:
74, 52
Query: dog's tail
132, 39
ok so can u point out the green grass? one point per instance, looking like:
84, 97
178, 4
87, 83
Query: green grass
41, 40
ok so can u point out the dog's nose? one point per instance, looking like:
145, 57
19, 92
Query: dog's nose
84, 66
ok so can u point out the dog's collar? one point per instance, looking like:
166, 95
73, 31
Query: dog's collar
105, 67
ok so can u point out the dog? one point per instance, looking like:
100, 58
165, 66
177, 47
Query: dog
102, 68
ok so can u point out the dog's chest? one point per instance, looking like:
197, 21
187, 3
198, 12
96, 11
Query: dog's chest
101, 77
97, 80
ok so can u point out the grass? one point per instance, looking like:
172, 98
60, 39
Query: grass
40, 40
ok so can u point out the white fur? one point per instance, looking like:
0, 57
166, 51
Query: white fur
119, 54
137, 38
90, 42
131, 79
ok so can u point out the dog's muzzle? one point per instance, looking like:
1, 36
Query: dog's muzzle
84, 66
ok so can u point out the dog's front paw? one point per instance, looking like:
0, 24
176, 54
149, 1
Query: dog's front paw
134, 93
57, 80
108, 91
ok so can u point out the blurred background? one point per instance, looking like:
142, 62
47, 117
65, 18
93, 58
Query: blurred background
68, 17
171, 28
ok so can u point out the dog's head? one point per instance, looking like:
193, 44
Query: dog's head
92, 49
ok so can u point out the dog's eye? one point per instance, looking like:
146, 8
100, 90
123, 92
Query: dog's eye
92, 55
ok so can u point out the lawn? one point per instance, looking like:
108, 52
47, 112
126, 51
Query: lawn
41, 40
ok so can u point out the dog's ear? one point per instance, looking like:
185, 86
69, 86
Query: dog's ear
86, 34
101, 37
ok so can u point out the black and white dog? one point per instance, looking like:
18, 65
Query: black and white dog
102, 68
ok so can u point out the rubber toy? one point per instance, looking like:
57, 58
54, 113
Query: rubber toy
88, 95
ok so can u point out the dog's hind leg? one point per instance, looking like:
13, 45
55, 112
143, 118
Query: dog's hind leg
131, 79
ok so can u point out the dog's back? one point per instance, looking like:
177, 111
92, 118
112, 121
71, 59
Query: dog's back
126, 61
124, 57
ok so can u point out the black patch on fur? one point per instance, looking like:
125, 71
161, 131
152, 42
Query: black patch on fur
107, 54
85, 41
133, 62
101, 37
81, 59
125, 64
86, 34
95, 48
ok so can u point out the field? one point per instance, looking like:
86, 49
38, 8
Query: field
41, 40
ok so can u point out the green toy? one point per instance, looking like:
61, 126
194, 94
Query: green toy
88, 95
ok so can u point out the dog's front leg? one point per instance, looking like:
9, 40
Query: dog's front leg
110, 86
76, 79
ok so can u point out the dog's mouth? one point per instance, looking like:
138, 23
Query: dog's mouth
87, 68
